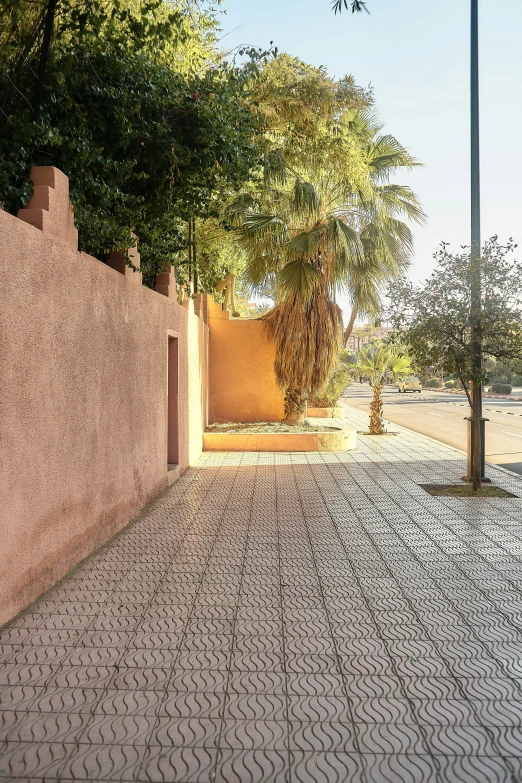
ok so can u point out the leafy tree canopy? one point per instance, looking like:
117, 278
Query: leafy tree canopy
150, 124
437, 314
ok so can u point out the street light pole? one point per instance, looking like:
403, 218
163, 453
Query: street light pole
475, 445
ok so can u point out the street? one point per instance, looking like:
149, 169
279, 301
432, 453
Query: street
441, 416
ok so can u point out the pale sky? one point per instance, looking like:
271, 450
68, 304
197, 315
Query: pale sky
415, 53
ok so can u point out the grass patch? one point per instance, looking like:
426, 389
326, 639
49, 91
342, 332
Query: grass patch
272, 427
466, 491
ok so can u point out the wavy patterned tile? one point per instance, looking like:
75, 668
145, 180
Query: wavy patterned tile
461, 740
393, 738
179, 765
256, 661
121, 702
466, 768
255, 706
29, 760
132, 730
324, 737
254, 734
93, 656
49, 699
192, 704
203, 642
35, 727
399, 768
257, 682
135, 678
186, 732
145, 658
324, 767
102, 762
36, 674
204, 659
247, 766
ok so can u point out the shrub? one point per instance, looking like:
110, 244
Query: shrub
501, 388
433, 383
450, 384
339, 380
516, 380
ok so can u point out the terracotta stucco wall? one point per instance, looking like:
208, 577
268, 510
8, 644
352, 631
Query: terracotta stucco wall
242, 384
83, 408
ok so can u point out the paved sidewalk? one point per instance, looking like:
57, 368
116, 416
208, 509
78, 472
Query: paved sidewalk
270, 618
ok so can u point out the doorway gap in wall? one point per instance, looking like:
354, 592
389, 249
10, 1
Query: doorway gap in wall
173, 404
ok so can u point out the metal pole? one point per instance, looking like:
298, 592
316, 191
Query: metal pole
475, 260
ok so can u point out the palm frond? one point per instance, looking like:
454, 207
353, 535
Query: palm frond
307, 338
305, 199
257, 223
399, 199
274, 169
299, 279
349, 238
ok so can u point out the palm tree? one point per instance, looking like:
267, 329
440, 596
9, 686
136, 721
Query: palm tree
387, 241
331, 224
301, 239
375, 362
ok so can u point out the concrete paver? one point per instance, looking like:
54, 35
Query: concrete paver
272, 617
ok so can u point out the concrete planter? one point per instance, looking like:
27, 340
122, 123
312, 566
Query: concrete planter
326, 413
336, 440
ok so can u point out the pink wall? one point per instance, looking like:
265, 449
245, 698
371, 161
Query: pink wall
83, 407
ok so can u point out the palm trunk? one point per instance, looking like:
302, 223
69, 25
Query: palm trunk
349, 328
294, 406
376, 422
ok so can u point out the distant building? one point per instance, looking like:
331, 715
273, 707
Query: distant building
363, 334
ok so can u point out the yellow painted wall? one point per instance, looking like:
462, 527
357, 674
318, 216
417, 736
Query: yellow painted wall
242, 384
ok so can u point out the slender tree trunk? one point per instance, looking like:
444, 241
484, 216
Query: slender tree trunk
44, 56
376, 422
294, 406
349, 328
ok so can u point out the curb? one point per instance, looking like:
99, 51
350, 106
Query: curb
486, 396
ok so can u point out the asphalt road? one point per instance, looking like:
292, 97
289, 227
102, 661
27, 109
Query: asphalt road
441, 416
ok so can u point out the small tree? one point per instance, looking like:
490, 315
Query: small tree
376, 362
437, 314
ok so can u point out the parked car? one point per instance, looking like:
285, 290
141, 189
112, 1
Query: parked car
410, 383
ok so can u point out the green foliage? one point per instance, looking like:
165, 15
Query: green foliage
329, 220
438, 313
433, 383
501, 388
139, 111
301, 105
340, 378
355, 5
377, 361
450, 384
